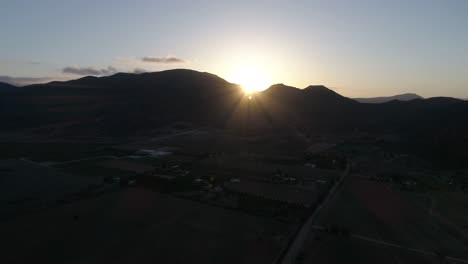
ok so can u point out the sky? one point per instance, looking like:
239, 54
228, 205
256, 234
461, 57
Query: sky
359, 48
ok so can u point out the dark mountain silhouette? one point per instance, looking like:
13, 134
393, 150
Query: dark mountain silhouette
121, 104
384, 99
283, 91
320, 90
435, 128
127, 104
321, 109
4, 87
311, 96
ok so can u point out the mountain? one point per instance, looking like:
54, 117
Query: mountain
6, 87
121, 104
283, 91
124, 104
434, 128
313, 95
384, 99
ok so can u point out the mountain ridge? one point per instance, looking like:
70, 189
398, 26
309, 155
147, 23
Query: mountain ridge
90, 79
385, 99
152, 99
6, 87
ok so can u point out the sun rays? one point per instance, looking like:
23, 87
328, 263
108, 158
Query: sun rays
251, 78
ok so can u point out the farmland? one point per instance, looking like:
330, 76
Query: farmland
135, 225
374, 210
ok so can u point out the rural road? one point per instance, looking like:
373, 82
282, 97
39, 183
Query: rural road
84, 159
420, 251
290, 256
177, 134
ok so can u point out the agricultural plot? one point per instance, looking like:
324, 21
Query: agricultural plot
326, 248
93, 169
375, 211
139, 226
447, 207
54, 151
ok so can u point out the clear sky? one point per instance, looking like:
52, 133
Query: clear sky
357, 47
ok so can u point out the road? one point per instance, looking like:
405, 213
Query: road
297, 244
84, 159
178, 134
420, 251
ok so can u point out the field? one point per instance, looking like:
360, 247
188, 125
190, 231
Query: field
54, 151
447, 207
139, 226
334, 249
92, 169
373, 210
45, 186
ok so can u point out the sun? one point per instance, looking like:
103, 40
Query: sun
252, 79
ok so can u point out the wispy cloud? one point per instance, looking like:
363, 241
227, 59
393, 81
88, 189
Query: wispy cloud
20, 81
164, 60
89, 70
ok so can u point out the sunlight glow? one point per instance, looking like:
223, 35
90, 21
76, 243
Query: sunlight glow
252, 79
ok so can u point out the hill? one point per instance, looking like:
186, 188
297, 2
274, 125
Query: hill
6, 87
384, 99
121, 104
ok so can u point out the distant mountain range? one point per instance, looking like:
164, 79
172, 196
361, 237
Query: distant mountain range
127, 104
384, 99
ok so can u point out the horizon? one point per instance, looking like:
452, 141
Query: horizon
269, 86
358, 49
247, 91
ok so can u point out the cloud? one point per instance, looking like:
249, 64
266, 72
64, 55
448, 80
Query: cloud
164, 60
20, 81
89, 70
